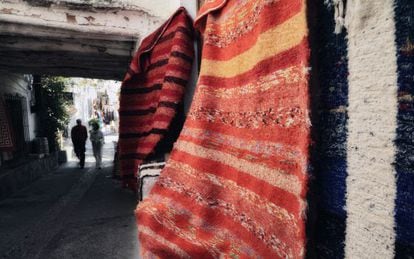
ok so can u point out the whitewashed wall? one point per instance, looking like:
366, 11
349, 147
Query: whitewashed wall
18, 83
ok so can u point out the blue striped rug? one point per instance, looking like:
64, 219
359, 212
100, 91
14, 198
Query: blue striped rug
365, 169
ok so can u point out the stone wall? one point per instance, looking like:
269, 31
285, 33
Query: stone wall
14, 179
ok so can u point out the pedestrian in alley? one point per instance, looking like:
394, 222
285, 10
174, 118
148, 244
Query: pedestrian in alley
97, 139
79, 135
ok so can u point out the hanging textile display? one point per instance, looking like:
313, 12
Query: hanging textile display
6, 137
152, 90
148, 175
404, 164
330, 166
367, 182
235, 183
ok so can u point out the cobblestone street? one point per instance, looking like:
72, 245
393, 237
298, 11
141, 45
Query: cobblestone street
71, 213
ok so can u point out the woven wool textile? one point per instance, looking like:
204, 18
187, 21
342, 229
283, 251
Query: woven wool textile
148, 175
366, 181
404, 205
152, 90
235, 183
330, 168
6, 137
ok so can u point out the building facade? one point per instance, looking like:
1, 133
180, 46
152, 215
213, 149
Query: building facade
18, 96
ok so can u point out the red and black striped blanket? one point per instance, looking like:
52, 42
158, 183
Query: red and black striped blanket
152, 90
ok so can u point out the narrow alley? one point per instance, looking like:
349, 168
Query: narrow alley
71, 213
153, 129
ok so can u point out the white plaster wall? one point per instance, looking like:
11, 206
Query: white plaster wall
133, 19
17, 83
161, 8
190, 5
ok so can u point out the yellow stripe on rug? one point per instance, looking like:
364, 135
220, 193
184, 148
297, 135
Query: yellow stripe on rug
269, 44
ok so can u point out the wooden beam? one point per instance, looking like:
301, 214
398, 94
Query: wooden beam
21, 29
64, 63
61, 59
81, 46
68, 72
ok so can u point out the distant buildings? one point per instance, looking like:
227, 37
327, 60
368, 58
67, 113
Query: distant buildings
94, 98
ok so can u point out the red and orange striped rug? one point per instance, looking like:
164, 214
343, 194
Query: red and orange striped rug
152, 91
235, 183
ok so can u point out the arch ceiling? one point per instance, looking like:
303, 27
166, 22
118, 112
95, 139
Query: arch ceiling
76, 38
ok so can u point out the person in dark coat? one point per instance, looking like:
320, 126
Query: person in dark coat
79, 135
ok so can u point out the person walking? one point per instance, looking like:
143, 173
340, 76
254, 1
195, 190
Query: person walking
97, 139
79, 135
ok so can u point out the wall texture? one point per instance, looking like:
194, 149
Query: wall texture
18, 84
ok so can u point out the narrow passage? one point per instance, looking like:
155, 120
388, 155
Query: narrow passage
71, 213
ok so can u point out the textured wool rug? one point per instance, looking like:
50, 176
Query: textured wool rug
148, 175
404, 164
6, 137
152, 91
331, 167
235, 184
367, 179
